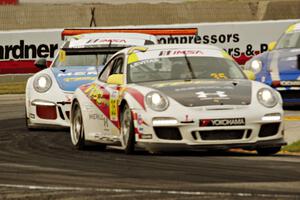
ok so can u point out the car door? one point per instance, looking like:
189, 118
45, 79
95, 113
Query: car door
107, 126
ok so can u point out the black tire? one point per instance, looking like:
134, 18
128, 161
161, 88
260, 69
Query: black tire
268, 151
77, 128
127, 130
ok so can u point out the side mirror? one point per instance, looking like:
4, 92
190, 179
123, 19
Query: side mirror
116, 79
271, 45
250, 74
41, 63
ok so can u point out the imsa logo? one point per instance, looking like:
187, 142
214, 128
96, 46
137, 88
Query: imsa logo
222, 122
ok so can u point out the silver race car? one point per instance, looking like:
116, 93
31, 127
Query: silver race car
163, 97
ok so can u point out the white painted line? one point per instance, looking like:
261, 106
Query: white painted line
145, 191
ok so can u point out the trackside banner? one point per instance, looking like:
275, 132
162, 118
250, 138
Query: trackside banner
242, 40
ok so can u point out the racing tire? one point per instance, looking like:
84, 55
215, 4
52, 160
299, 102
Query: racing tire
77, 128
268, 151
127, 130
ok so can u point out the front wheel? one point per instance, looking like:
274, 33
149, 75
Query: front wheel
268, 151
127, 130
77, 129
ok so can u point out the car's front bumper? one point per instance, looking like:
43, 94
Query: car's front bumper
50, 114
259, 130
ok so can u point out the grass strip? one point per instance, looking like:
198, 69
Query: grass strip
13, 88
294, 147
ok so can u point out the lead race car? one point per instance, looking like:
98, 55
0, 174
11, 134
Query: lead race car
176, 96
280, 66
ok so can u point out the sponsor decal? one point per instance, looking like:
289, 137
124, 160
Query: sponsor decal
146, 136
142, 49
97, 95
27, 51
218, 76
96, 41
83, 73
290, 83
212, 95
222, 122
149, 61
187, 119
62, 56
94, 117
180, 52
74, 79
113, 106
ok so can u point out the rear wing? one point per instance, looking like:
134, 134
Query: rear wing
153, 31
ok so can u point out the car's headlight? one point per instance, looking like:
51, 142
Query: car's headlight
157, 101
267, 97
256, 66
42, 83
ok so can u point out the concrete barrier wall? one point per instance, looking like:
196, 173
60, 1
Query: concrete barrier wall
283, 10
29, 16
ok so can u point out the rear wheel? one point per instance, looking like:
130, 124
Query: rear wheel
268, 151
77, 129
127, 130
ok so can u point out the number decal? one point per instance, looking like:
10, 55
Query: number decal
218, 76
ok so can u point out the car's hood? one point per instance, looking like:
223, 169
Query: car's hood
206, 92
69, 78
285, 60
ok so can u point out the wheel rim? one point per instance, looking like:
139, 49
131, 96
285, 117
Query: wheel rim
125, 126
76, 126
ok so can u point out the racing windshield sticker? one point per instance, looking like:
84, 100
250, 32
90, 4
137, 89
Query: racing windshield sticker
62, 56
154, 54
132, 58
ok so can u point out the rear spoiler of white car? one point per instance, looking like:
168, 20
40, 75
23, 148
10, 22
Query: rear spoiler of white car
153, 31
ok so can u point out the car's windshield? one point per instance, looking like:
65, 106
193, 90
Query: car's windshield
289, 40
182, 68
71, 60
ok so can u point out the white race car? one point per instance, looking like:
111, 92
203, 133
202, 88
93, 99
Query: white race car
162, 97
49, 92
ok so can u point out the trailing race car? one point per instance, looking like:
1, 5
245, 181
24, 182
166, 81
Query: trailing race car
161, 97
49, 92
280, 66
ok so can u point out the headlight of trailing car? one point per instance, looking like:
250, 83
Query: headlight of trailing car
256, 66
42, 83
157, 101
267, 97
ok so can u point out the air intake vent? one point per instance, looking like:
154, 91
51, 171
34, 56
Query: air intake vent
168, 133
267, 130
221, 134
